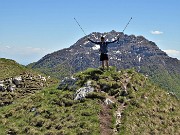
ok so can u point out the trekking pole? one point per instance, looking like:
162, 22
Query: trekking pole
80, 26
127, 25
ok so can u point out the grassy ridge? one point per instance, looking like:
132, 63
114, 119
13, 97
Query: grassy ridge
162, 78
149, 109
10, 68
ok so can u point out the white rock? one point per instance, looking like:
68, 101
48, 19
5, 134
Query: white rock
118, 114
73, 78
17, 80
82, 92
11, 88
118, 121
2, 87
39, 76
9, 80
43, 79
1, 82
88, 83
108, 101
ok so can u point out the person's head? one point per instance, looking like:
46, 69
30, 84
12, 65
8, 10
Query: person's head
102, 39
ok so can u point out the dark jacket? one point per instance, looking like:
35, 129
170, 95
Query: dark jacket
103, 46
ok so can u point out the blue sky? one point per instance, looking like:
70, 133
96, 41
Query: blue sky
29, 29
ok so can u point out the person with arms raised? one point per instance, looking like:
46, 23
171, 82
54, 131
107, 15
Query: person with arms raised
104, 51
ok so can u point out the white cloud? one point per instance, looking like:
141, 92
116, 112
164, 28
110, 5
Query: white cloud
173, 53
23, 55
156, 32
23, 50
8, 46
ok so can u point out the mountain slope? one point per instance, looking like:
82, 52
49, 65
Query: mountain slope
131, 52
9, 68
141, 107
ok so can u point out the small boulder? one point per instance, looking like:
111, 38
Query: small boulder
11, 88
2, 88
1, 82
88, 83
82, 92
108, 101
17, 81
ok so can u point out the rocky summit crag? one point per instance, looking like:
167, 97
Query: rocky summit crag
130, 52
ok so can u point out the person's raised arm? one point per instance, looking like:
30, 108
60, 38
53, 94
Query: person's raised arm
113, 41
93, 41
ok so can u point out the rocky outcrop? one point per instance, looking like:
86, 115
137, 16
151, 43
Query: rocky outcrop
82, 92
70, 84
25, 81
19, 86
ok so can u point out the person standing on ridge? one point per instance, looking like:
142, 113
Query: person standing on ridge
104, 50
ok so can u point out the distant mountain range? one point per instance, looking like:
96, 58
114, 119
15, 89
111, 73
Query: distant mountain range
130, 52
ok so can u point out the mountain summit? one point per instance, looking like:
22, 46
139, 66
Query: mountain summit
130, 52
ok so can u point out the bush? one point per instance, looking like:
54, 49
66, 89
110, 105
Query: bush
94, 95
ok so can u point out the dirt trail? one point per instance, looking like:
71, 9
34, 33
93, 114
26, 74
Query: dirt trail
105, 120
106, 127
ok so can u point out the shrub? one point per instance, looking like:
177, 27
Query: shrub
94, 95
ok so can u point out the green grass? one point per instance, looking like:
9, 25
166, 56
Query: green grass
149, 109
169, 81
55, 112
158, 114
10, 68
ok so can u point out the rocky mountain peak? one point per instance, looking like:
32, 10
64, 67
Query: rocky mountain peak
130, 52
